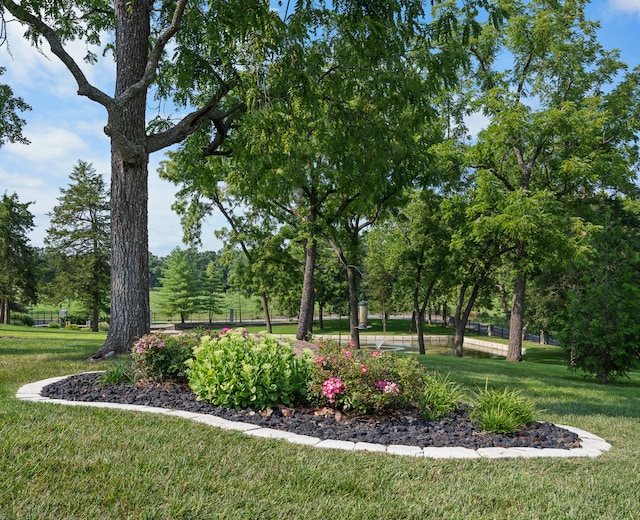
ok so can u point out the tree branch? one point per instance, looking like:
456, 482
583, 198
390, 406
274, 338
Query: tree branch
84, 87
151, 68
192, 122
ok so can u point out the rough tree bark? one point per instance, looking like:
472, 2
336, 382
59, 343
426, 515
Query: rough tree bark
514, 352
305, 318
352, 281
130, 308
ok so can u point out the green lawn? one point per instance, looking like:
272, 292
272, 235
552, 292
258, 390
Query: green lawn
59, 462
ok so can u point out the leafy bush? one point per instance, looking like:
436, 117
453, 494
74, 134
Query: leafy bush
236, 369
365, 381
20, 318
103, 326
53, 325
160, 357
502, 411
120, 371
72, 326
439, 396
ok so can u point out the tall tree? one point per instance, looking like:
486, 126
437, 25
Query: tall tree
10, 122
187, 54
79, 235
600, 330
563, 123
18, 269
338, 126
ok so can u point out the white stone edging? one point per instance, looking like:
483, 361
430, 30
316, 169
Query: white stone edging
591, 445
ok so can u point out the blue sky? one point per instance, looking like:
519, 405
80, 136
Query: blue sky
64, 128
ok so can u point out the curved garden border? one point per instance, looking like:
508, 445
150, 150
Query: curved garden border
591, 445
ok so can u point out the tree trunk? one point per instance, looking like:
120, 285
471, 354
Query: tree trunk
305, 318
517, 317
5, 314
352, 279
265, 309
320, 316
130, 308
462, 317
385, 317
95, 316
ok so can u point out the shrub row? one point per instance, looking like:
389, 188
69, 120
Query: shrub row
237, 369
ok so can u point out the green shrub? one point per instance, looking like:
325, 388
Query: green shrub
103, 326
20, 318
236, 369
160, 357
439, 396
53, 325
365, 381
502, 411
120, 371
72, 326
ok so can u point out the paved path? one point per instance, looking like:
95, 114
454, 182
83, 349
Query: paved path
592, 446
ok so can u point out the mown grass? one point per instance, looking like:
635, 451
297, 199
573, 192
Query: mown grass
335, 326
84, 463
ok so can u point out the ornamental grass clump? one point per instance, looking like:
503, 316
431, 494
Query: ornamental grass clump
161, 358
440, 396
236, 369
502, 411
363, 381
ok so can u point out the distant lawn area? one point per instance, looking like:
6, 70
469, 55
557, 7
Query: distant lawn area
335, 326
63, 462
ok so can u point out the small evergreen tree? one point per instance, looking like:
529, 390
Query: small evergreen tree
18, 266
180, 291
213, 289
79, 240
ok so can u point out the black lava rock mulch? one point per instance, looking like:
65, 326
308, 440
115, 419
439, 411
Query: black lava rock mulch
406, 428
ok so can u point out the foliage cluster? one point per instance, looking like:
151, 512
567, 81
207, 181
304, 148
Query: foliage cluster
21, 318
502, 411
237, 369
440, 396
161, 357
363, 381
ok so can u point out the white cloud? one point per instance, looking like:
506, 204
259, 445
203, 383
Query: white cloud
29, 68
626, 6
48, 144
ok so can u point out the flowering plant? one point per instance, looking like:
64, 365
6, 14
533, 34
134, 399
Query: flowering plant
365, 381
332, 387
160, 357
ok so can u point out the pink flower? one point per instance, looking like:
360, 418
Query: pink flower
332, 387
321, 360
376, 353
387, 387
347, 353
364, 369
